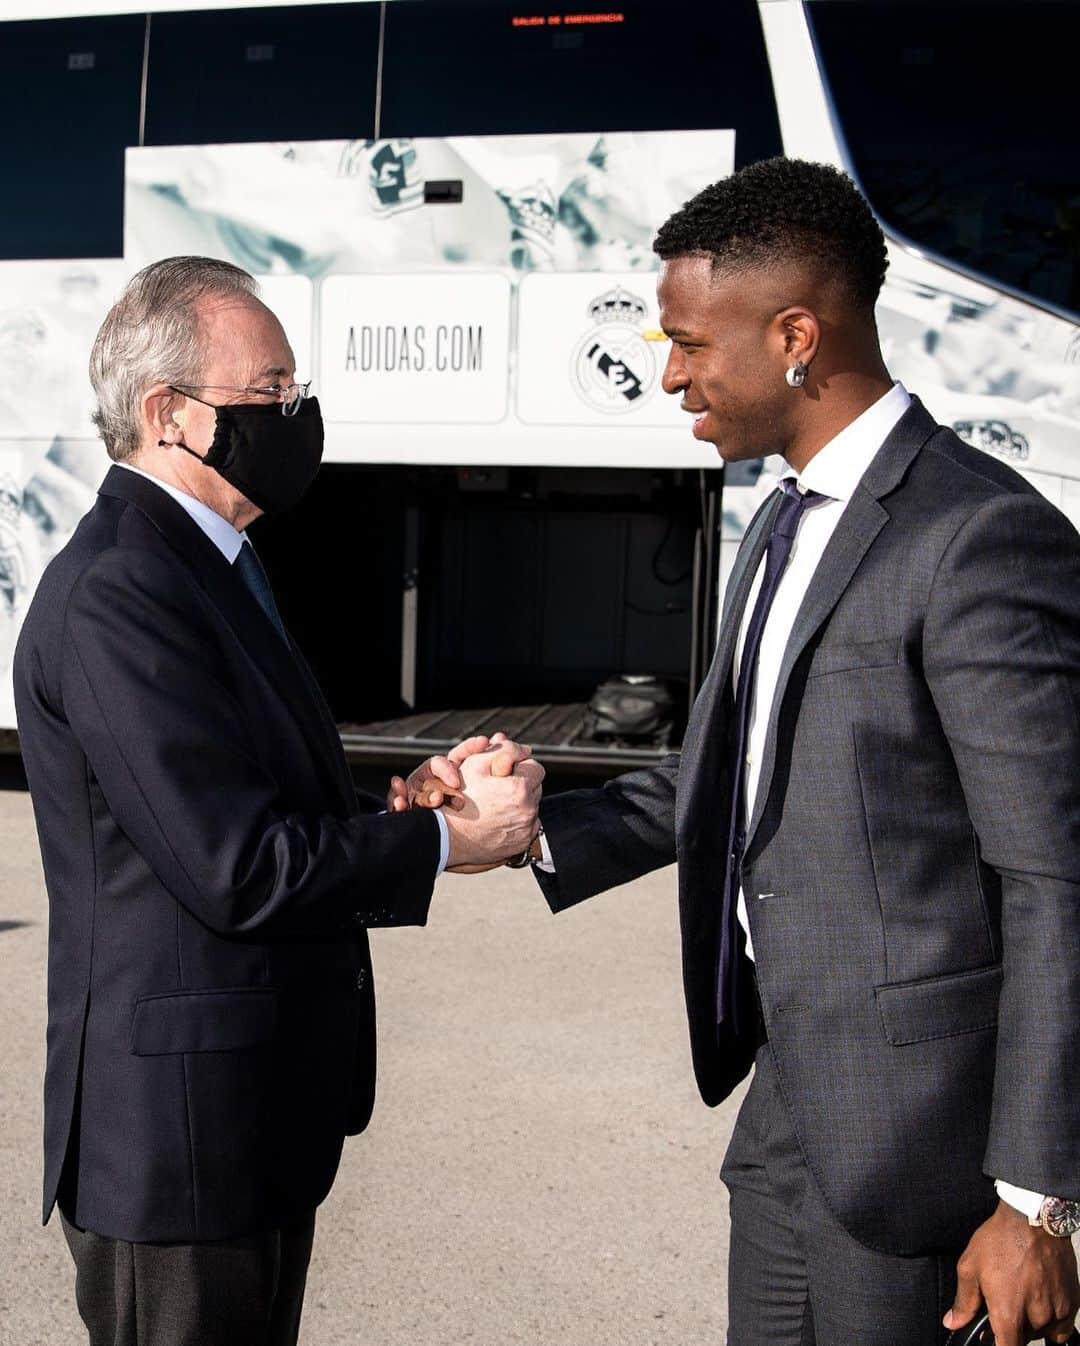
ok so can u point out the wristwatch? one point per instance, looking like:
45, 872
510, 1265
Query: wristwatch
1058, 1216
530, 855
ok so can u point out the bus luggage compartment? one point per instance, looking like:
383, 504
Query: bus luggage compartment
435, 603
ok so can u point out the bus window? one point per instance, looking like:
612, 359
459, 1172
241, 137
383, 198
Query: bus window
461, 67
956, 120
299, 72
70, 104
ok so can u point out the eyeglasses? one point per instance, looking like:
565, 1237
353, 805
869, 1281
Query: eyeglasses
290, 396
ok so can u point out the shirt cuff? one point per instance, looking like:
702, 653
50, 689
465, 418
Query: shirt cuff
1027, 1203
444, 841
546, 863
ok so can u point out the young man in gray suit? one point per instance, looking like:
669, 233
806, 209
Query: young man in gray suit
876, 815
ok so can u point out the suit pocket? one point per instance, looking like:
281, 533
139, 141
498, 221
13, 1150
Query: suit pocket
940, 1007
845, 656
203, 1021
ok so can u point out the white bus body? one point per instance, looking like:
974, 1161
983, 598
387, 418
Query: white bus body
477, 312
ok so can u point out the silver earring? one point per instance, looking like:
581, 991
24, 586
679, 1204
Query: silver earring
796, 375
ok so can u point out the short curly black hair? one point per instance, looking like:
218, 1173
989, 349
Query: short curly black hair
782, 210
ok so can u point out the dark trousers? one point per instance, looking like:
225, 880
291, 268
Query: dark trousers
237, 1292
795, 1276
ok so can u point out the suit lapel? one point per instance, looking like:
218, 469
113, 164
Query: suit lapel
701, 728
331, 737
861, 522
228, 593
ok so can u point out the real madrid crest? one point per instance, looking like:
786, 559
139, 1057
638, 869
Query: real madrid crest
613, 367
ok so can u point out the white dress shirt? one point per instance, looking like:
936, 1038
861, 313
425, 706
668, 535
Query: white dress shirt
228, 540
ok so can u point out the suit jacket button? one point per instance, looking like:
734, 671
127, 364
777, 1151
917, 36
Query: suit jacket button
361, 981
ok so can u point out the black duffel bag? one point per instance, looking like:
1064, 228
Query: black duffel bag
634, 707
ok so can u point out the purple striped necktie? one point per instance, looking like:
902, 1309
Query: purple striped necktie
781, 539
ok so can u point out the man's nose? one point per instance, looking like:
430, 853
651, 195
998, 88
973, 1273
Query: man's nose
674, 378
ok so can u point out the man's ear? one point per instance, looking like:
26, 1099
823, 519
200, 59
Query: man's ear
799, 333
159, 405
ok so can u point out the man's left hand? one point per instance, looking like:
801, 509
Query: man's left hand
1026, 1277
437, 782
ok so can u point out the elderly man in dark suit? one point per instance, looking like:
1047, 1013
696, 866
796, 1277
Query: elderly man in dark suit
211, 871
877, 812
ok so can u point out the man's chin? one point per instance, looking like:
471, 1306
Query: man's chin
701, 429
732, 451
706, 431
729, 452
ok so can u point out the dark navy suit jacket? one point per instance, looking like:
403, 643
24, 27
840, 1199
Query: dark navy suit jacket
211, 873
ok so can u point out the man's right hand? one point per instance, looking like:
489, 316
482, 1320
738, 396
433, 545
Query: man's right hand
499, 817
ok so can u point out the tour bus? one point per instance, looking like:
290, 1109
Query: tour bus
450, 204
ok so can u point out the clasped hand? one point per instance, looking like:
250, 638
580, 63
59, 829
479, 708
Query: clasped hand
489, 790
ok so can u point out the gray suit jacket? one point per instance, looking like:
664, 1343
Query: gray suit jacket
912, 867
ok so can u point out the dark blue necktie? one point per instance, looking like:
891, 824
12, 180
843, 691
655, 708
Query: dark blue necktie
250, 569
781, 540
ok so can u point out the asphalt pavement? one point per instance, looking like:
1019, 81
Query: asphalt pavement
539, 1168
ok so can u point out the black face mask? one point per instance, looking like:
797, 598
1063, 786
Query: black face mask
269, 457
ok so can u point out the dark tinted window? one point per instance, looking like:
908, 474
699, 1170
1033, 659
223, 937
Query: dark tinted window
69, 104
462, 67
302, 72
958, 122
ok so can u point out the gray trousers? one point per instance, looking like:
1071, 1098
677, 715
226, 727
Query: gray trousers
237, 1292
795, 1276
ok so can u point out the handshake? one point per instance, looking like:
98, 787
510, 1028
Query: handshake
489, 791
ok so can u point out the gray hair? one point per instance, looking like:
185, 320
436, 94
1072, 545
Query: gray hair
151, 335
